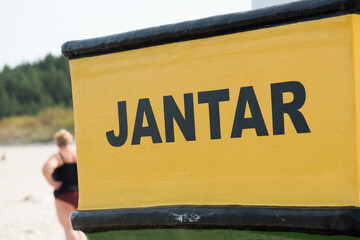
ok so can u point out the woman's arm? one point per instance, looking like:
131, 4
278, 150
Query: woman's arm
49, 168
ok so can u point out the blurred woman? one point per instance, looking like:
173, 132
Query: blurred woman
60, 171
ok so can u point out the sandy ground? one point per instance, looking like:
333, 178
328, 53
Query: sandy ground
27, 208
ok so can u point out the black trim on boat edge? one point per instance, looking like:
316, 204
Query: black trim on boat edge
212, 26
314, 220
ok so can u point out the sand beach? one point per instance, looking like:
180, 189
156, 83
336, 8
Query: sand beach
27, 208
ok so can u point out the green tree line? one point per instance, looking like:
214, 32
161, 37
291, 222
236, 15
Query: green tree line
29, 88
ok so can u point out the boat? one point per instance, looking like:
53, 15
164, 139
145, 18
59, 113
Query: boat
238, 126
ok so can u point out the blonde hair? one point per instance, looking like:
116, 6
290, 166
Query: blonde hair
63, 138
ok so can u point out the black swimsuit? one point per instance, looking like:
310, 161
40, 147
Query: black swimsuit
67, 174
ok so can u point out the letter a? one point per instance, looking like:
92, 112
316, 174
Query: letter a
144, 108
256, 121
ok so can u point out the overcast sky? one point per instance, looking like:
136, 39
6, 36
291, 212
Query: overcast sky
31, 29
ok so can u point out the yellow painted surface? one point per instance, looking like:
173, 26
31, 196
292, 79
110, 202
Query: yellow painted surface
308, 169
356, 58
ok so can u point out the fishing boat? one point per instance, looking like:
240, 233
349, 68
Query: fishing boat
238, 126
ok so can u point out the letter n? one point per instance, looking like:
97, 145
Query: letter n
172, 112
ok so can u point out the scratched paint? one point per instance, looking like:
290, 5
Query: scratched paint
183, 218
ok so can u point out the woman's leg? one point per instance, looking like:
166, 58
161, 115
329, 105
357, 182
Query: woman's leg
63, 210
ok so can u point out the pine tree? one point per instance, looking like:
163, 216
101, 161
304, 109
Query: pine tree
28, 88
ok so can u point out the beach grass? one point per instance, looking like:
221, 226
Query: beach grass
36, 129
